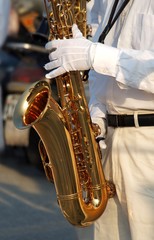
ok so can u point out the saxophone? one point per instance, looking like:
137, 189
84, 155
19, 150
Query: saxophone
70, 154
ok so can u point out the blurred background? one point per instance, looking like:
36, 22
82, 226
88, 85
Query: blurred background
28, 204
22, 57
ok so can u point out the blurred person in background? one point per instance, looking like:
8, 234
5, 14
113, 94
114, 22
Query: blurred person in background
5, 6
121, 84
22, 63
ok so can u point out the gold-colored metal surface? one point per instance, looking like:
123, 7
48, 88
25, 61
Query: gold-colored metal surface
69, 151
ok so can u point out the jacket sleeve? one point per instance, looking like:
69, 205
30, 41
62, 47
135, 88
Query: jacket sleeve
130, 68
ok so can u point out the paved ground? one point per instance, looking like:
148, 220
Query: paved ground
28, 205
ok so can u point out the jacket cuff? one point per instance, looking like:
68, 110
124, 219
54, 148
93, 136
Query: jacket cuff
105, 59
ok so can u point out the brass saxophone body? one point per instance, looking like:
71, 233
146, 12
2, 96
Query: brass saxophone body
69, 151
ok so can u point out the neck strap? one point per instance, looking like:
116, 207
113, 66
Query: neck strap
112, 19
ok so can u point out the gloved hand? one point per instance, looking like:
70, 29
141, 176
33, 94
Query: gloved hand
101, 122
70, 54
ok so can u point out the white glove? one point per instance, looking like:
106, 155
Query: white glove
70, 54
101, 122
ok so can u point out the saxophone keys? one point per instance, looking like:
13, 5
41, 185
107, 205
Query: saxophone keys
110, 187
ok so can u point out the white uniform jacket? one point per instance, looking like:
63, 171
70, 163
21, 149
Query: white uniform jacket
126, 82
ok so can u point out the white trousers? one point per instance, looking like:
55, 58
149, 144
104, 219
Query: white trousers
129, 161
